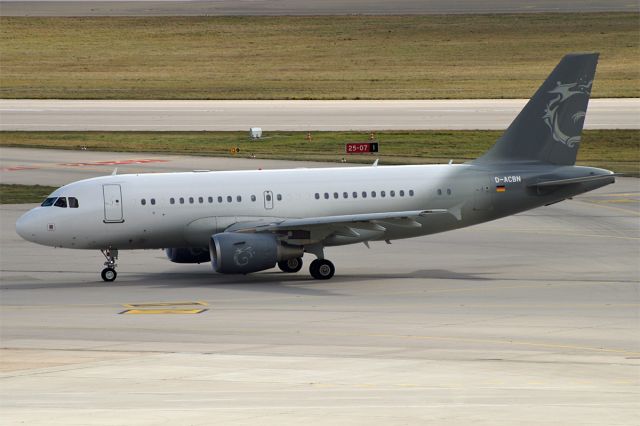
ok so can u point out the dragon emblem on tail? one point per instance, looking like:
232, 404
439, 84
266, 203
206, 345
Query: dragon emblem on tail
568, 98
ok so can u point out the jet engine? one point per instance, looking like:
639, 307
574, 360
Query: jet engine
235, 253
188, 255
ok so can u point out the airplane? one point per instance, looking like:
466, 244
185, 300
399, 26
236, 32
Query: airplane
250, 221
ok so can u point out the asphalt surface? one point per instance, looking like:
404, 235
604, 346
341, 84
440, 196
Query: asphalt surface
531, 319
304, 7
291, 115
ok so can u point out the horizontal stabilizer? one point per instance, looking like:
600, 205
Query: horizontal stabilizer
570, 181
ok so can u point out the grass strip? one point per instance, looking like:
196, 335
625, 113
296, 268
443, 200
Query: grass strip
617, 150
20, 194
319, 57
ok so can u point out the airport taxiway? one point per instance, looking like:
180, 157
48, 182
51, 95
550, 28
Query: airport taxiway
302, 7
165, 115
531, 319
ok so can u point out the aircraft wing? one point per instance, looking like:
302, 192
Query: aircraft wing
401, 218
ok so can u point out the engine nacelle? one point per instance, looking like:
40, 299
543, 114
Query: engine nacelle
188, 255
235, 253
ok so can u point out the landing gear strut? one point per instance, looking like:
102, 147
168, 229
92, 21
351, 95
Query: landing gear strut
109, 272
322, 269
291, 265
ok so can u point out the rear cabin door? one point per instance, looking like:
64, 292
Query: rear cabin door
268, 200
482, 198
112, 203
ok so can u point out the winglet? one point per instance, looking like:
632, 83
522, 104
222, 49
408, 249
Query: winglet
375, 163
114, 172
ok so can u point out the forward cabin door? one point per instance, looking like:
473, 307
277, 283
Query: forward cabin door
112, 203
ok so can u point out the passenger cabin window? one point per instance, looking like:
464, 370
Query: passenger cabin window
200, 200
279, 197
253, 198
181, 200
190, 200
392, 193
229, 199
48, 202
364, 194
448, 192
210, 200
219, 199
143, 201
326, 195
317, 196
335, 195
345, 195
402, 193
383, 194
411, 192
172, 200
239, 198
355, 194
153, 201
73, 203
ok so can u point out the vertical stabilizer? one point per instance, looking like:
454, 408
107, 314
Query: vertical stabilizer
549, 127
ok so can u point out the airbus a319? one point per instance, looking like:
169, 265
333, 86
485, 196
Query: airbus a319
249, 221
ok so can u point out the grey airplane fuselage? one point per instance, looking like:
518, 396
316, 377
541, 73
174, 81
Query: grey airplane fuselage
189, 207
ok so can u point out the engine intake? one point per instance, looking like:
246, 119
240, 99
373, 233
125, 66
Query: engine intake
188, 255
234, 253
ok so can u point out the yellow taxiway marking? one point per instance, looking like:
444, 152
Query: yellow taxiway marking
160, 308
162, 311
157, 304
624, 194
633, 212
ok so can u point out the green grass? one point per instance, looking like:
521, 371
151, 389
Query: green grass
18, 194
617, 150
329, 57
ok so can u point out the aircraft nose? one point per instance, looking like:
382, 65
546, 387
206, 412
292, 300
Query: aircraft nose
26, 227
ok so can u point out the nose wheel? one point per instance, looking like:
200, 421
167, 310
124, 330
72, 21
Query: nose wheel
322, 269
109, 273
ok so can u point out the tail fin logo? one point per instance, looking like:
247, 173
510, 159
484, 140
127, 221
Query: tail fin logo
565, 112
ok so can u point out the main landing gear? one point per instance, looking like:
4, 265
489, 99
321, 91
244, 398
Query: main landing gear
291, 265
322, 269
109, 272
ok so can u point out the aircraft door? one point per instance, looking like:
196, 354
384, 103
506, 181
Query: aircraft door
482, 198
112, 203
268, 200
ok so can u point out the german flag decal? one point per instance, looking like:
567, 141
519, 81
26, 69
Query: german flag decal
500, 188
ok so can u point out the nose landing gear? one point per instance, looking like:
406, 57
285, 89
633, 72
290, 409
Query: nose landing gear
109, 272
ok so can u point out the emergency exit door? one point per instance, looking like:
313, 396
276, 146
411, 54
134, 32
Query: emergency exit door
112, 203
268, 200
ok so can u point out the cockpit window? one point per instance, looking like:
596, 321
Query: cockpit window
73, 202
61, 202
48, 202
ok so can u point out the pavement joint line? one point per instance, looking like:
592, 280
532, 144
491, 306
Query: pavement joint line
497, 341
